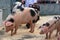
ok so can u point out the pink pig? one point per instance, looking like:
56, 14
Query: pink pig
49, 26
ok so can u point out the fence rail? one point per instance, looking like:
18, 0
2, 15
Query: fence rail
49, 9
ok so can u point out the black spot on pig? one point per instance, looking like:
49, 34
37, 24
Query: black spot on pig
34, 21
20, 7
32, 13
55, 17
47, 24
28, 25
36, 10
11, 20
13, 12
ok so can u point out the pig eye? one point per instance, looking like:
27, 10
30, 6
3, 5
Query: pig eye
44, 24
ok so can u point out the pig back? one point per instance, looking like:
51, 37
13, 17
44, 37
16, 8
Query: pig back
58, 25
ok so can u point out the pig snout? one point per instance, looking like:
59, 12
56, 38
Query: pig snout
41, 32
44, 30
8, 26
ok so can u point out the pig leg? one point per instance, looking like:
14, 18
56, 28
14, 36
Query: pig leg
50, 34
16, 27
58, 37
46, 36
32, 28
11, 32
57, 33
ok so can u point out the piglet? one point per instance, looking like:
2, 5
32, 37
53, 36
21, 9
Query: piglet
49, 26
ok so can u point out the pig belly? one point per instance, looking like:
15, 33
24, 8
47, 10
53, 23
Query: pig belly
21, 20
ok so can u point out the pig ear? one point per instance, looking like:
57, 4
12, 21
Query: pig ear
9, 23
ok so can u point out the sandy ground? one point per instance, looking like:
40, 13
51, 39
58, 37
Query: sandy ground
24, 34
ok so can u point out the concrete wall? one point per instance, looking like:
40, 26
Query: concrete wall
5, 6
49, 9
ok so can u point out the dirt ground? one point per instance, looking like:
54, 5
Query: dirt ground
24, 34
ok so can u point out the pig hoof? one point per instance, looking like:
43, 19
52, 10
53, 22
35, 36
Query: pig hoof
11, 34
49, 37
14, 32
46, 38
58, 38
31, 31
